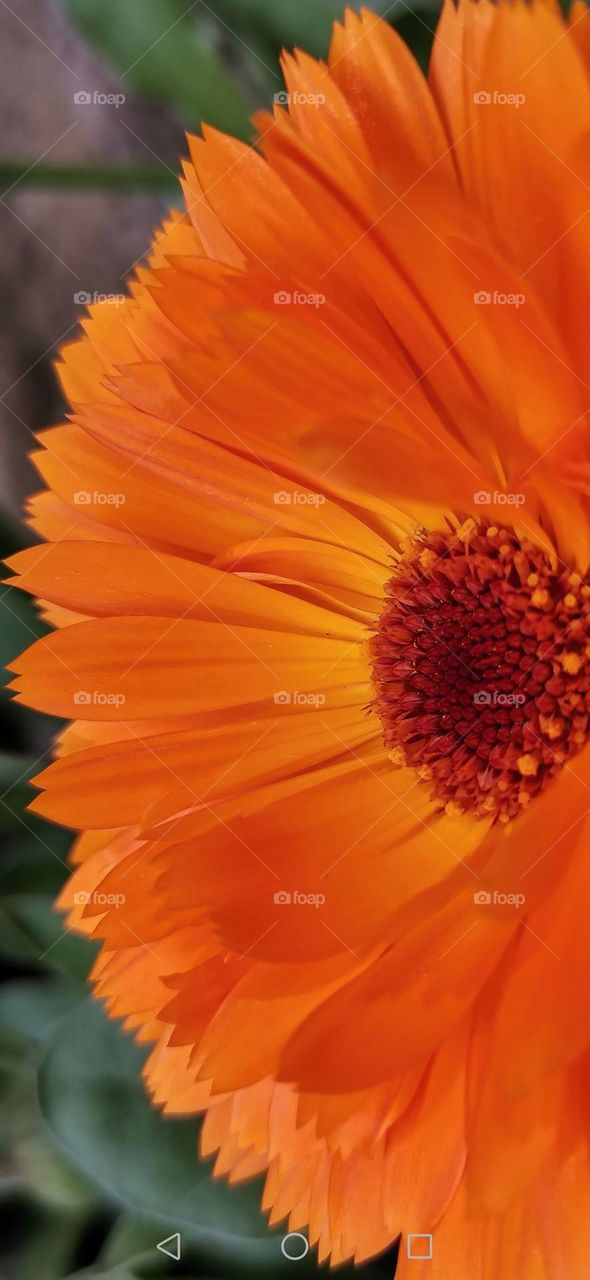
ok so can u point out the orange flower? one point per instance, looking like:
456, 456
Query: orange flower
318, 552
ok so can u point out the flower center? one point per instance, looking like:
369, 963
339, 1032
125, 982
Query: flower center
481, 664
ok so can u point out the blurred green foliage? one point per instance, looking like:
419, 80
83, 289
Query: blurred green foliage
92, 1176
163, 52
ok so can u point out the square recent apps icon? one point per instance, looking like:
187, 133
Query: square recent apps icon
419, 1246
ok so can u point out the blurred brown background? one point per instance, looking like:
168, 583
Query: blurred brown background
60, 241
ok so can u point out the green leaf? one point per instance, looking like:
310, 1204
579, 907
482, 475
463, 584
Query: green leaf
129, 1239
306, 24
50, 1175
38, 1242
35, 859
31, 1009
130, 180
32, 931
20, 625
159, 49
16, 794
272, 25
30, 1013
95, 1105
36, 856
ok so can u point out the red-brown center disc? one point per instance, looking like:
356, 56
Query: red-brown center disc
481, 662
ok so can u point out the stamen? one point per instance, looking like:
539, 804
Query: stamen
481, 667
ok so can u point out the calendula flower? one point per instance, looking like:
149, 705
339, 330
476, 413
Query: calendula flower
318, 544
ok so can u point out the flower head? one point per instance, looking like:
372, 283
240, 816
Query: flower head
318, 559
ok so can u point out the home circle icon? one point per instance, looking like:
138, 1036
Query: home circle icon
300, 1249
